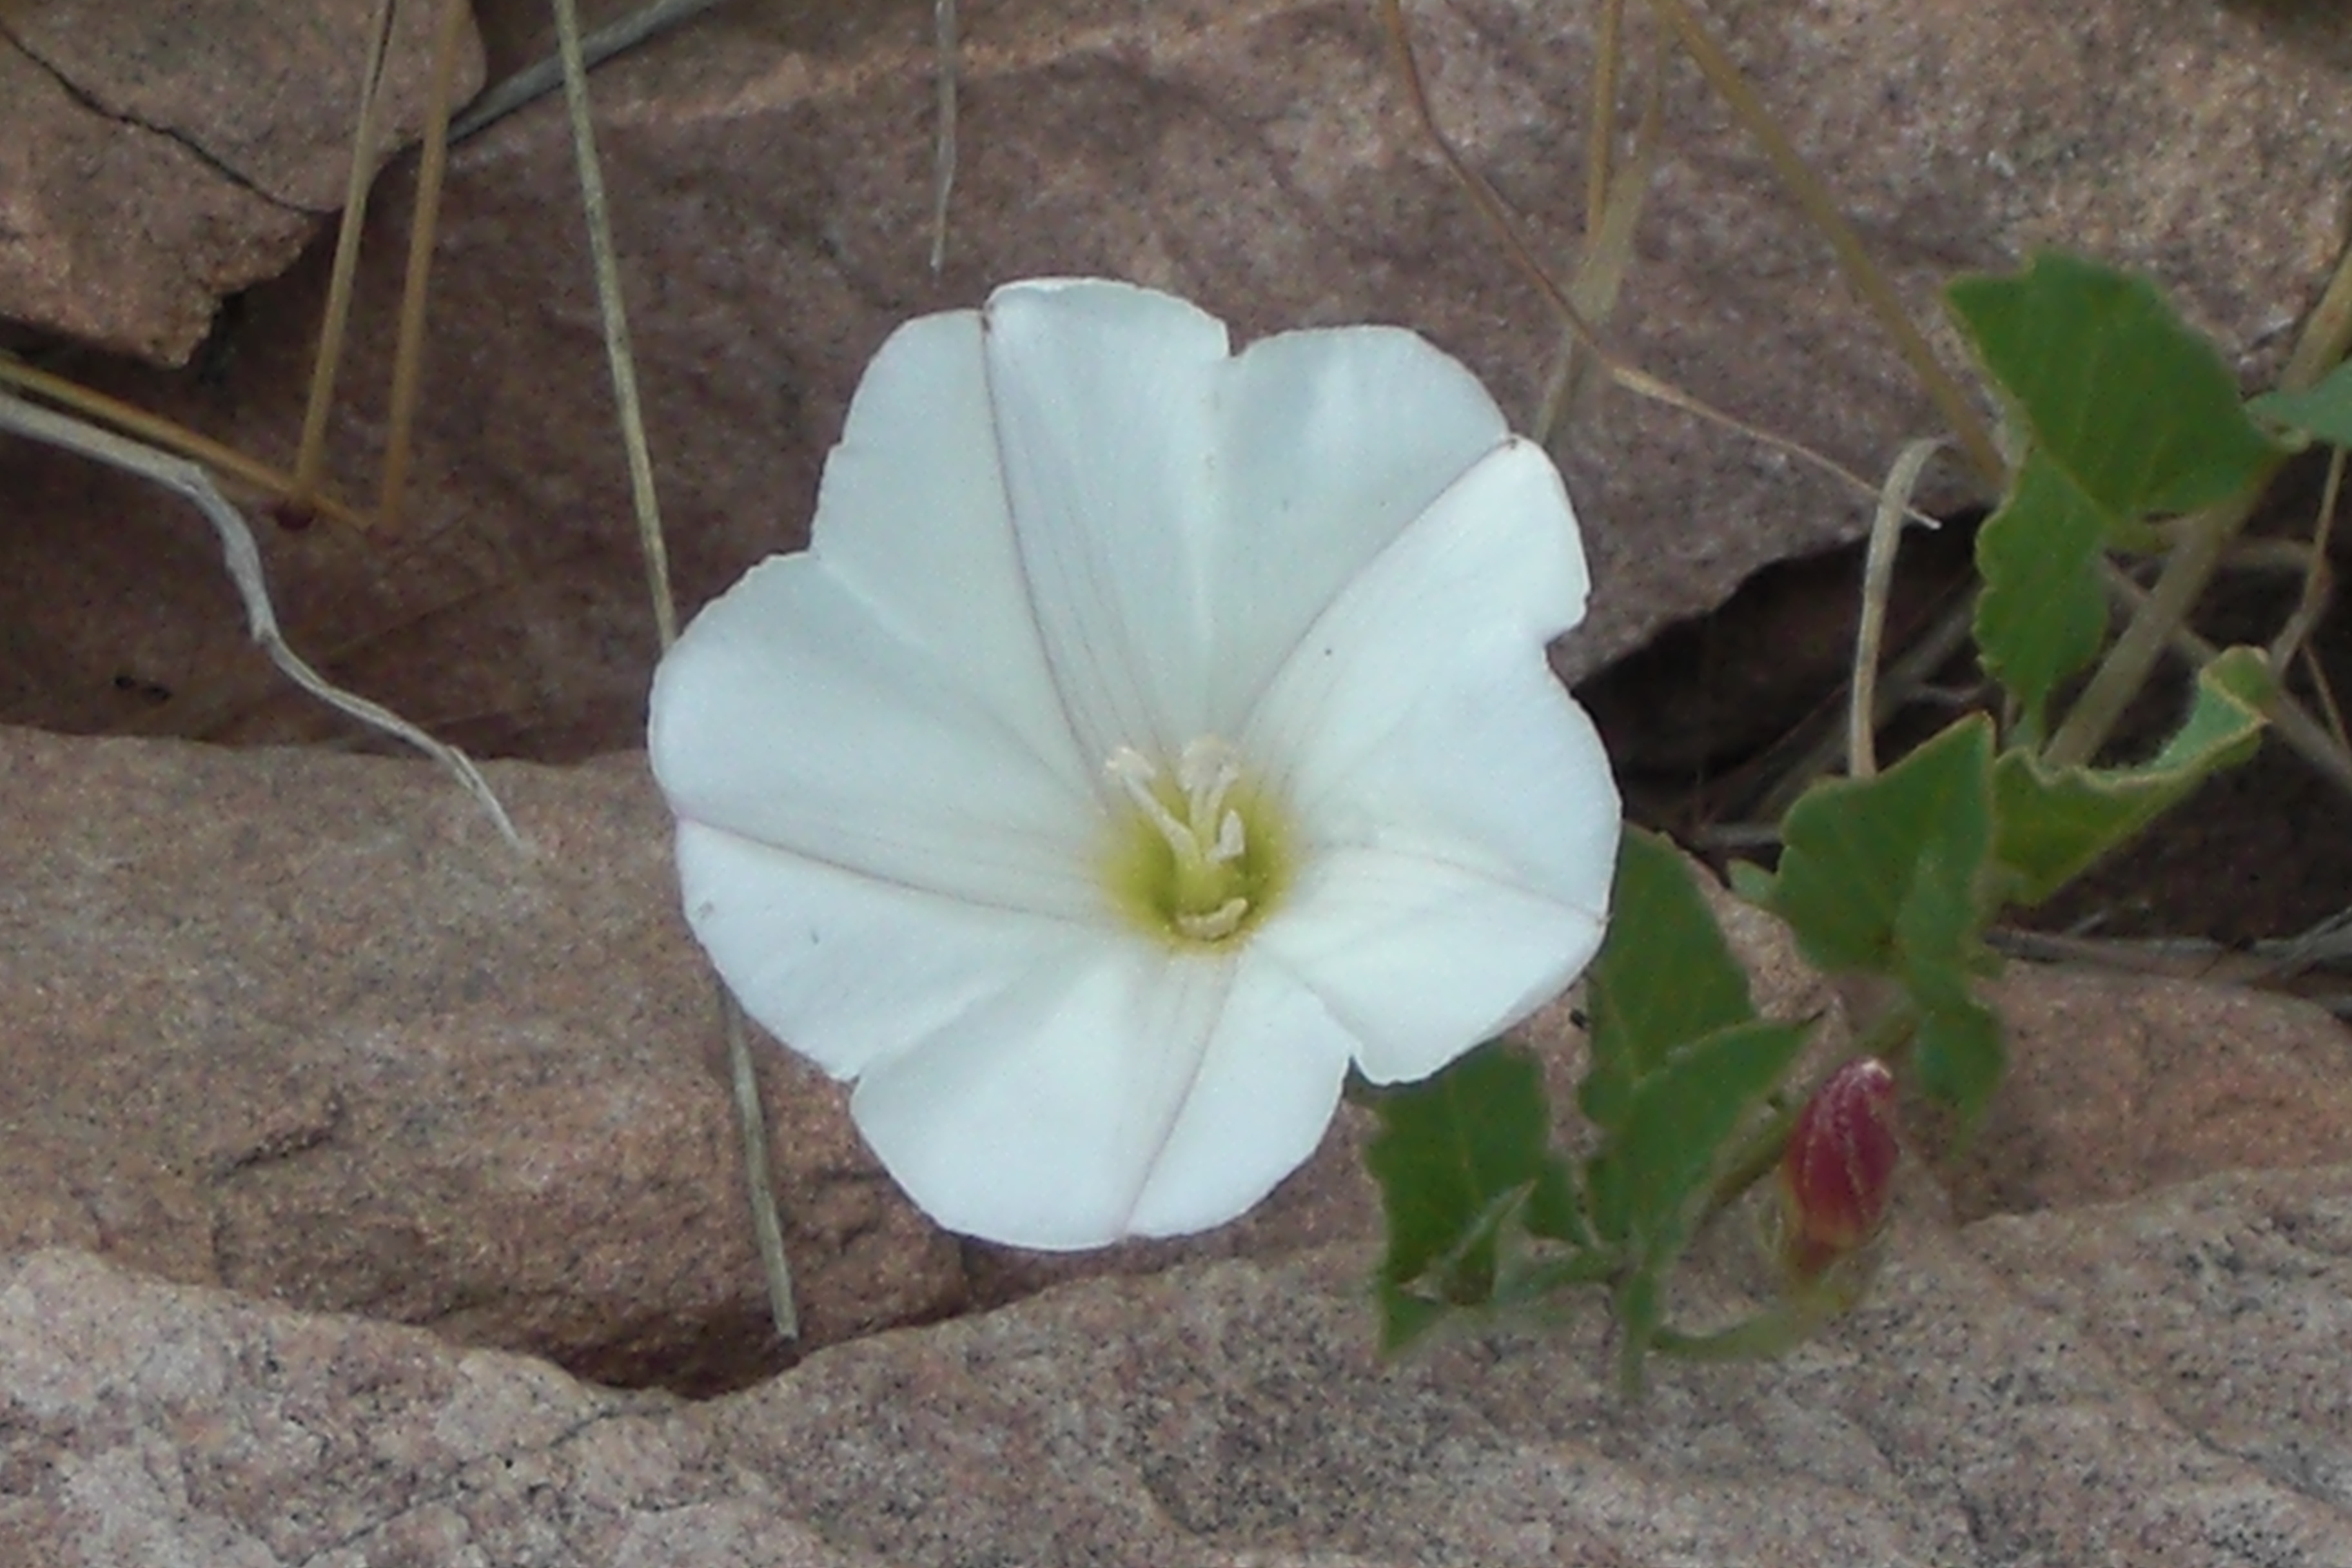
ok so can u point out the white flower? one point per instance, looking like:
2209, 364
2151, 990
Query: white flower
1148, 733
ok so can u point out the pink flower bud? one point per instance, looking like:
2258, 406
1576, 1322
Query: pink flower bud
1837, 1174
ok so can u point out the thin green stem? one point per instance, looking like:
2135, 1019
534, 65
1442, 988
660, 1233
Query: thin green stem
2316, 742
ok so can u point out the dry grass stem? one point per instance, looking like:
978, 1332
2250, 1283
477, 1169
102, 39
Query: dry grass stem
767, 1223
310, 454
1951, 400
242, 561
540, 77
155, 431
424, 220
1877, 582
1492, 207
943, 159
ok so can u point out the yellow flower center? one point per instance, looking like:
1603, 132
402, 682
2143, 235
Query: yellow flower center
1202, 856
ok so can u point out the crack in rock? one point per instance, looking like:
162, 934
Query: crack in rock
90, 100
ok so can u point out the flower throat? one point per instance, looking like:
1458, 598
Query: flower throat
1200, 858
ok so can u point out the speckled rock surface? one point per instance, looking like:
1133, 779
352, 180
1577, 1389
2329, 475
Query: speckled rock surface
2154, 1384
304, 1025
2122, 1084
155, 157
770, 181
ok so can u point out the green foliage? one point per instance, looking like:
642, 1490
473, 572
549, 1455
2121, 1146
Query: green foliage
1888, 875
2042, 612
2121, 414
2125, 414
1881, 875
2322, 413
2135, 408
1454, 1157
1663, 978
1679, 1065
1957, 1057
1659, 1164
2054, 823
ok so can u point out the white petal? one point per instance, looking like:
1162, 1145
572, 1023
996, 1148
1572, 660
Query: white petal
1102, 395
1460, 818
1420, 958
1127, 1093
913, 519
788, 716
1269, 1081
1329, 444
848, 970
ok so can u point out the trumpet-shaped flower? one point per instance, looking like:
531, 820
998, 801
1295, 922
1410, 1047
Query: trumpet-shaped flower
1148, 734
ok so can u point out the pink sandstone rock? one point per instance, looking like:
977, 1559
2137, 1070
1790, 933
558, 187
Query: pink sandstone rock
2150, 1384
772, 193
301, 1025
161, 156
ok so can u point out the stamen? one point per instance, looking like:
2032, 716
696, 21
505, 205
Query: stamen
1135, 773
1205, 890
1217, 925
1204, 772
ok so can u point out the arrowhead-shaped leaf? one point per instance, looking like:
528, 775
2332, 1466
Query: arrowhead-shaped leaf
1454, 1154
2136, 409
2044, 613
1884, 875
2322, 413
2051, 823
1663, 979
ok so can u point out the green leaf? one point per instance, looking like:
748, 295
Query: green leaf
2043, 611
1939, 927
1662, 1162
1958, 1057
2051, 823
1664, 977
1404, 1317
1885, 875
1452, 1153
1680, 1117
1639, 1303
1553, 1211
2138, 410
2323, 413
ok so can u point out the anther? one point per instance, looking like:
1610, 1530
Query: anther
1135, 773
1217, 925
